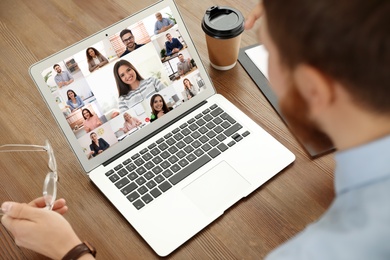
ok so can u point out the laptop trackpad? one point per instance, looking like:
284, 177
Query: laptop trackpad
217, 189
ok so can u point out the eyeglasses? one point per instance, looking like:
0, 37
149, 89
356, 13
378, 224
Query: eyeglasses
50, 183
128, 39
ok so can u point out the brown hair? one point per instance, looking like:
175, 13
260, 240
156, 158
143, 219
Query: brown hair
123, 88
164, 108
348, 41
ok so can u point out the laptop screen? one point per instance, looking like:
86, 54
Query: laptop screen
110, 90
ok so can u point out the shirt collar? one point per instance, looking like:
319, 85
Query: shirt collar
362, 165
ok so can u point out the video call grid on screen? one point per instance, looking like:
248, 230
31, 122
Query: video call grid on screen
98, 89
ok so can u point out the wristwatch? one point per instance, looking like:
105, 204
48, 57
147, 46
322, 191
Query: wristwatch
80, 250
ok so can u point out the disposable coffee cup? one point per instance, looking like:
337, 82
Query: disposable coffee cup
223, 27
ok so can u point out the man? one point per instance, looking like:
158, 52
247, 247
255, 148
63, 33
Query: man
129, 41
183, 66
173, 45
329, 67
63, 78
162, 24
330, 91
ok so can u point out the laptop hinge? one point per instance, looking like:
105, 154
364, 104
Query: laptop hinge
141, 141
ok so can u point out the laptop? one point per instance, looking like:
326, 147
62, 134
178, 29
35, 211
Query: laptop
179, 162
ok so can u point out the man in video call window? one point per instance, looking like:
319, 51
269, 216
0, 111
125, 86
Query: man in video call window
173, 45
63, 78
162, 24
184, 65
129, 41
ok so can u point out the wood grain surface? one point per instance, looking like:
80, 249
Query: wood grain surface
33, 30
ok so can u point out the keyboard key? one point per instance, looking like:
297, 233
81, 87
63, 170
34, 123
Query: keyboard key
228, 118
176, 130
127, 161
198, 116
206, 147
195, 135
214, 106
200, 122
165, 155
141, 180
199, 152
159, 141
155, 192
151, 184
245, 134
165, 186
191, 157
204, 139
183, 163
143, 151
131, 167
214, 153
185, 172
217, 120
173, 159
226, 124
109, 172
142, 190
188, 148
167, 135
173, 149
184, 125
122, 172
116, 168
221, 137
129, 188
149, 165
149, 175
165, 164
180, 154
139, 162
159, 178
157, 160
147, 157
178, 136
191, 121
114, 177
167, 173
157, 169
138, 204
175, 168
133, 196
206, 111
218, 129
135, 156
122, 183
207, 118
222, 147
210, 125
211, 134
193, 127
163, 146
171, 141
140, 170
232, 129
216, 112
147, 198
152, 146
203, 130
213, 142
231, 143
180, 144
132, 176
188, 139
155, 151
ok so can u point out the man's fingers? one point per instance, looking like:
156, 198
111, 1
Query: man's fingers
256, 13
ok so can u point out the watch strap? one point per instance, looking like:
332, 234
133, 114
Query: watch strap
80, 250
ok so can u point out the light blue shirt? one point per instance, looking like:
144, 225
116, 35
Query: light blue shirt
357, 224
164, 22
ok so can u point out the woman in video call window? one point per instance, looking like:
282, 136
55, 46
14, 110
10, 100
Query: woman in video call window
130, 123
190, 89
98, 145
91, 121
158, 106
95, 59
74, 102
132, 87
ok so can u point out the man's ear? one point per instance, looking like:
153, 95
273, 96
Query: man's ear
315, 87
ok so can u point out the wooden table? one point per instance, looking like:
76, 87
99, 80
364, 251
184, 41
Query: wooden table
33, 30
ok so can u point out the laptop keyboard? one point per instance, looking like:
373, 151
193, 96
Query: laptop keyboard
157, 168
